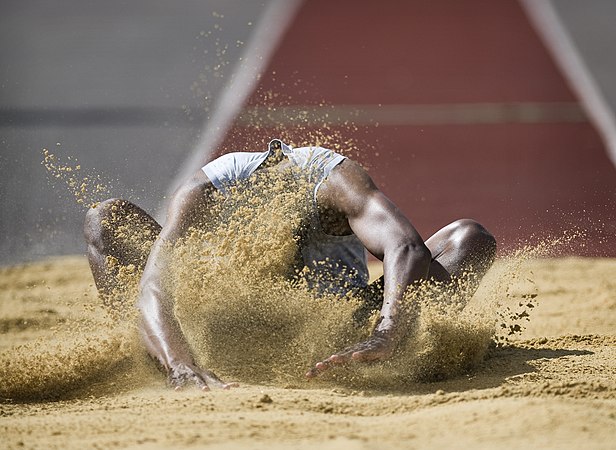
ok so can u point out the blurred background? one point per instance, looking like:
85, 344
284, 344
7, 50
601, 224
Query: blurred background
499, 111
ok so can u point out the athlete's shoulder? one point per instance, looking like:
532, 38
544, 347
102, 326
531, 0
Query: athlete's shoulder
350, 173
347, 187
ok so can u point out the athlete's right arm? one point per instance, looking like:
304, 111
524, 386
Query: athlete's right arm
160, 329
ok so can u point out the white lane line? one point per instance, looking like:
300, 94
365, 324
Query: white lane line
558, 41
438, 114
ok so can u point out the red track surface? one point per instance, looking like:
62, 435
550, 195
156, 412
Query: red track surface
519, 179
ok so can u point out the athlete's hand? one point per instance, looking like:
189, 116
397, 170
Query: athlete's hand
181, 374
377, 347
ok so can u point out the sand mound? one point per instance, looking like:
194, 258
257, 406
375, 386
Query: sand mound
54, 369
61, 341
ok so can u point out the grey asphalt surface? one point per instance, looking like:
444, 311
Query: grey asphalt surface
111, 83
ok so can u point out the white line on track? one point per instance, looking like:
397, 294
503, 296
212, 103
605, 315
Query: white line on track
556, 38
437, 114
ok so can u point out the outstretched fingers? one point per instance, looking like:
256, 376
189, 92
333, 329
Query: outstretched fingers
319, 367
376, 348
337, 359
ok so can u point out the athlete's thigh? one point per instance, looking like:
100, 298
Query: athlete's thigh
461, 246
444, 263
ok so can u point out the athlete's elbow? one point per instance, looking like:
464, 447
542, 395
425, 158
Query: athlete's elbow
415, 254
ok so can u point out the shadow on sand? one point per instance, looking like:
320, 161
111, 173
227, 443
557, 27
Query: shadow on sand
500, 364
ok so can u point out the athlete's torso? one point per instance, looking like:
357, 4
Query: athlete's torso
335, 263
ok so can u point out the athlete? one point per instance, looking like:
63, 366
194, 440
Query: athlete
352, 215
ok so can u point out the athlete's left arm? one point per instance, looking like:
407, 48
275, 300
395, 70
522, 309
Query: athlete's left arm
388, 235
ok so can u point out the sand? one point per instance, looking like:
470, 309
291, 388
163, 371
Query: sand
551, 386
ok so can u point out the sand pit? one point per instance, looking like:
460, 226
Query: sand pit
552, 386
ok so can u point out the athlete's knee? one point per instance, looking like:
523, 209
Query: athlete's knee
471, 234
96, 229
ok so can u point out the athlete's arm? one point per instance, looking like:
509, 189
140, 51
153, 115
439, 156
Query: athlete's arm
160, 329
388, 235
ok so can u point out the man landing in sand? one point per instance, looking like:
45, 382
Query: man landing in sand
352, 215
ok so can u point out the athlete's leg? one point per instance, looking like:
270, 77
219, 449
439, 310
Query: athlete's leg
463, 246
119, 235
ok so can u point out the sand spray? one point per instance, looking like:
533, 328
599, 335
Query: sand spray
248, 312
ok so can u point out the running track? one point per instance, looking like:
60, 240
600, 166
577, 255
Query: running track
458, 111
